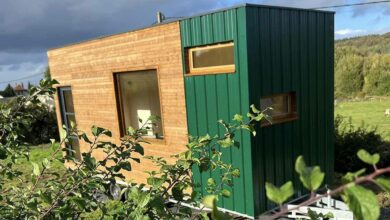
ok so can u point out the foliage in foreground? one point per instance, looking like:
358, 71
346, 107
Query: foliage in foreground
90, 186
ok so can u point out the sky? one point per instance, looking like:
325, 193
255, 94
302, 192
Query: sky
29, 28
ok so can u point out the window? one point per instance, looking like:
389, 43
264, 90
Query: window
68, 118
216, 58
284, 107
138, 98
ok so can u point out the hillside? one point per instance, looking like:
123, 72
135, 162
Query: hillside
370, 44
362, 66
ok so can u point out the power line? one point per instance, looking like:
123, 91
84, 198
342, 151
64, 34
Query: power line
22, 78
355, 4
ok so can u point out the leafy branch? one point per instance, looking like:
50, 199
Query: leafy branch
351, 192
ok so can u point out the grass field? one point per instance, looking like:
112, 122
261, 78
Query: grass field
37, 154
367, 113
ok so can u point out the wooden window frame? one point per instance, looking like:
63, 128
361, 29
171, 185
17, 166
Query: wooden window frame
118, 97
292, 110
208, 70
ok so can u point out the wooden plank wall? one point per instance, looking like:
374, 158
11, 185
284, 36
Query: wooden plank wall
89, 67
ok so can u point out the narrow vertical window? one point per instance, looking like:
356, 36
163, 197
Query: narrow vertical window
284, 107
68, 118
139, 98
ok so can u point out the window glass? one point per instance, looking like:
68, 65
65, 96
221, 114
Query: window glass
279, 104
217, 56
68, 117
139, 99
68, 101
283, 107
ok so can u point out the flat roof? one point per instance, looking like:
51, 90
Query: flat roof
193, 16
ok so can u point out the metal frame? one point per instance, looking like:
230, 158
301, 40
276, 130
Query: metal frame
65, 114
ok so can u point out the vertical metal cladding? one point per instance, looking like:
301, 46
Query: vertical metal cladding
277, 50
220, 96
291, 50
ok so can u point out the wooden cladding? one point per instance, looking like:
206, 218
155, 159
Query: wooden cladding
90, 69
210, 59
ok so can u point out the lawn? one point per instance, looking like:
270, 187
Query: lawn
369, 113
37, 154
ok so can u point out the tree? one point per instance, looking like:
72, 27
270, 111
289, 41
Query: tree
377, 75
29, 85
47, 73
8, 91
349, 75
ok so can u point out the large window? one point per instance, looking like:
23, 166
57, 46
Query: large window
281, 107
68, 119
216, 58
138, 99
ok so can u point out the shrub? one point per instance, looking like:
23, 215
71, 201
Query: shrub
349, 139
42, 124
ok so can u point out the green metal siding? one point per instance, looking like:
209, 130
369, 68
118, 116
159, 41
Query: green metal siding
213, 97
277, 50
291, 50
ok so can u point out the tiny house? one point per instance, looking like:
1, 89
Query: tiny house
194, 71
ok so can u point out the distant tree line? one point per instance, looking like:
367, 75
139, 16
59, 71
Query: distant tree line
362, 66
8, 91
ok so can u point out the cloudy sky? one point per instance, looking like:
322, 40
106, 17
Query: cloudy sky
29, 28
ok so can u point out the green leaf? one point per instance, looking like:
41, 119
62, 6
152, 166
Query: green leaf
311, 177
238, 118
80, 202
211, 182
384, 183
300, 165
139, 149
3, 154
362, 202
226, 142
351, 176
125, 165
46, 163
254, 109
236, 173
54, 146
177, 192
367, 157
211, 202
155, 182
204, 139
208, 201
225, 193
36, 171
85, 138
97, 131
279, 195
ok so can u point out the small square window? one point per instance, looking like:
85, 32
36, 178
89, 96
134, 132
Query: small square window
211, 59
284, 107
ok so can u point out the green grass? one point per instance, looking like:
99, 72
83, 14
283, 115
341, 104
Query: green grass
370, 114
37, 154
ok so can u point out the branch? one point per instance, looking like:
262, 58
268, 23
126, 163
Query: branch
368, 178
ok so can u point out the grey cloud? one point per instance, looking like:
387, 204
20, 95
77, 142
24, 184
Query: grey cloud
7, 58
44, 24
